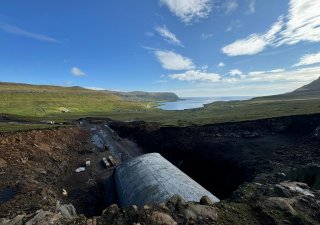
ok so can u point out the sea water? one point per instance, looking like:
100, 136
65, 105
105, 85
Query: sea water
197, 102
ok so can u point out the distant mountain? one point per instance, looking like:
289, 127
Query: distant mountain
314, 86
309, 91
57, 103
147, 96
125, 96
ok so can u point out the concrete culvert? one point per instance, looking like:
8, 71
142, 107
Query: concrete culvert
151, 178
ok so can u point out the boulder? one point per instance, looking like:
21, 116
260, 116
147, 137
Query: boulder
205, 200
18, 220
67, 211
282, 204
195, 211
159, 218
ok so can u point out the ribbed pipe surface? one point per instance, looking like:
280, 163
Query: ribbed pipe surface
151, 178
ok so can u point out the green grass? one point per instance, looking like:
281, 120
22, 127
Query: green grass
13, 127
44, 102
39, 103
221, 112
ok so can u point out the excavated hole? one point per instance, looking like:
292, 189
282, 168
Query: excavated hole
220, 167
309, 175
219, 175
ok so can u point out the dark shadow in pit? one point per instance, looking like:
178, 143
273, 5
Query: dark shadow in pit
93, 199
8, 193
309, 175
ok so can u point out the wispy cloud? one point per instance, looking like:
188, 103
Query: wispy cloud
258, 82
301, 24
230, 6
305, 75
21, 32
255, 43
173, 61
252, 6
95, 88
76, 71
235, 72
309, 59
149, 34
221, 64
196, 75
189, 10
168, 36
234, 25
205, 36
254, 73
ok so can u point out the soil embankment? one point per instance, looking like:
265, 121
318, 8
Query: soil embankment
33, 166
223, 156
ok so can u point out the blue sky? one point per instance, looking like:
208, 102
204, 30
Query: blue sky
191, 47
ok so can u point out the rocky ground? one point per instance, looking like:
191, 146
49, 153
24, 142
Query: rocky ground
265, 172
31, 164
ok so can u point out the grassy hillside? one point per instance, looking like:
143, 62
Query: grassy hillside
305, 100
32, 101
148, 96
309, 91
38, 103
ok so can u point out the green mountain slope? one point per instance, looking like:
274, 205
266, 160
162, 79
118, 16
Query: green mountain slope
148, 96
43, 101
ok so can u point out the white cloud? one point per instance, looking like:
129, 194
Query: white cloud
253, 73
95, 88
249, 46
221, 64
256, 83
77, 72
206, 36
235, 72
196, 75
189, 10
301, 24
302, 75
19, 31
172, 61
309, 59
252, 6
230, 6
168, 35
276, 70
255, 43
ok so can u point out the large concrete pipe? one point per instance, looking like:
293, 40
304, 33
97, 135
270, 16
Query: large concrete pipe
151, 178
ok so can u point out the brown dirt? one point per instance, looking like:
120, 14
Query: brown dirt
33, 165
